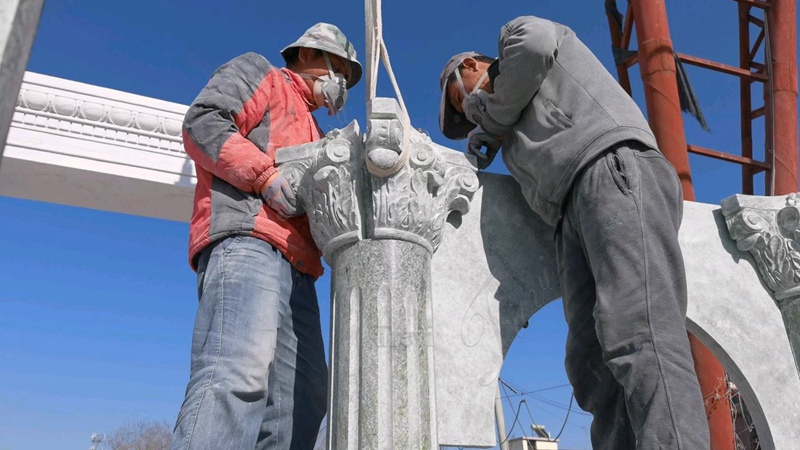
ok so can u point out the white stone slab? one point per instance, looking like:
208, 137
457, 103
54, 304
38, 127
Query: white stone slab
494, 269
83, 145
19, 20
735, 316
497, 268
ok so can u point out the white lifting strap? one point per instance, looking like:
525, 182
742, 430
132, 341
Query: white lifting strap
375, 52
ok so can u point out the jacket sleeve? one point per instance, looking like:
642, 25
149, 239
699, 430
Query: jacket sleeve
527, 50
232, 103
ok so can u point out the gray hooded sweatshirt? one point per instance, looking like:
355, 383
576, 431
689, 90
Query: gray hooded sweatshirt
557, 108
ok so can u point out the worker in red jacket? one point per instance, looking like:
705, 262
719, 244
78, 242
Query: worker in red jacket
258, 374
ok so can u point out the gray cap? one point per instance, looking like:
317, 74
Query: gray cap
329, 38
453, 124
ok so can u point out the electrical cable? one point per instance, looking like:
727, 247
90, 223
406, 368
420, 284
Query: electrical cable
516, 417
571, 398
522, 393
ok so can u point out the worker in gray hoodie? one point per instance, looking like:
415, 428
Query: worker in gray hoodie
589, 165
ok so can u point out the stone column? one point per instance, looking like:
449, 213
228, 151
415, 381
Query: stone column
19, 20
377, 211
769, 228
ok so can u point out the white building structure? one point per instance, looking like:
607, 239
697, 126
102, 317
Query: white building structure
532, 443
83, 145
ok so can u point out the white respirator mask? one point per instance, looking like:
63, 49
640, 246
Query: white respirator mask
473, 102
329, 90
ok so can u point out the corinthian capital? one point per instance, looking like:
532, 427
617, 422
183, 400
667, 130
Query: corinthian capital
399, 185
768, 228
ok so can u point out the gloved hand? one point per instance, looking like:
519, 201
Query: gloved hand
279, 196
474, 106
478, 138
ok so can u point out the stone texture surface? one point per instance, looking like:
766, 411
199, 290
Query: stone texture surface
380, 337
377, 231
385, 133
769, 228
495, 268
326, 175
19, 20
388, 133
414, 203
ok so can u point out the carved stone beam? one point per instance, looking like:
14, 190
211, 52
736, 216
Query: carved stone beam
769, 228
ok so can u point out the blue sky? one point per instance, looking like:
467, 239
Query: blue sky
96, 308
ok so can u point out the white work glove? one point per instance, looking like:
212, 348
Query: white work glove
278, 195
479, 138
474, 106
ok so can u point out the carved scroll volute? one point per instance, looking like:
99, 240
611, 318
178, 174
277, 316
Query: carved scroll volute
789, 217
747, 228
325, 174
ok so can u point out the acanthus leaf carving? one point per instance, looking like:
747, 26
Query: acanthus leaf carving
414, 203
330, 177
324, 174
770, 233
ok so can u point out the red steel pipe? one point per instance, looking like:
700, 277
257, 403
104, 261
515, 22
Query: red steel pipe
616, 40
746, 101
657, 65
782, 16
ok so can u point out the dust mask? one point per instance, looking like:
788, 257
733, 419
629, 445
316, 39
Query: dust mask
329, 90
477, 95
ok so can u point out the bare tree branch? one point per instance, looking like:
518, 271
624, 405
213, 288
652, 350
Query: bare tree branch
141, 435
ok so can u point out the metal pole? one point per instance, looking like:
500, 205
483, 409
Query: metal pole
746, 101
616, 41
657, 65
714, 386
781, 20
501, 420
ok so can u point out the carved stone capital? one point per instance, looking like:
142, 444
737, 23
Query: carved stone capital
768, 228
425, 182
325, 176
428, 183
414, 203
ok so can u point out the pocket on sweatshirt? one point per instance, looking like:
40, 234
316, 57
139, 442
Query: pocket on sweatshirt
619, 174
559, 117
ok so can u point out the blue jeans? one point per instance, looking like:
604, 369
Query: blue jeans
258, 374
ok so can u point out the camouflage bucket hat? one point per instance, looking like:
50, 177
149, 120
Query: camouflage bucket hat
329, 38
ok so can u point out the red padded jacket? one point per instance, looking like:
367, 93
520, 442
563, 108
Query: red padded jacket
247, 110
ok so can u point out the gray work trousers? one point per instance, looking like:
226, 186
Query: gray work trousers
624, 289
